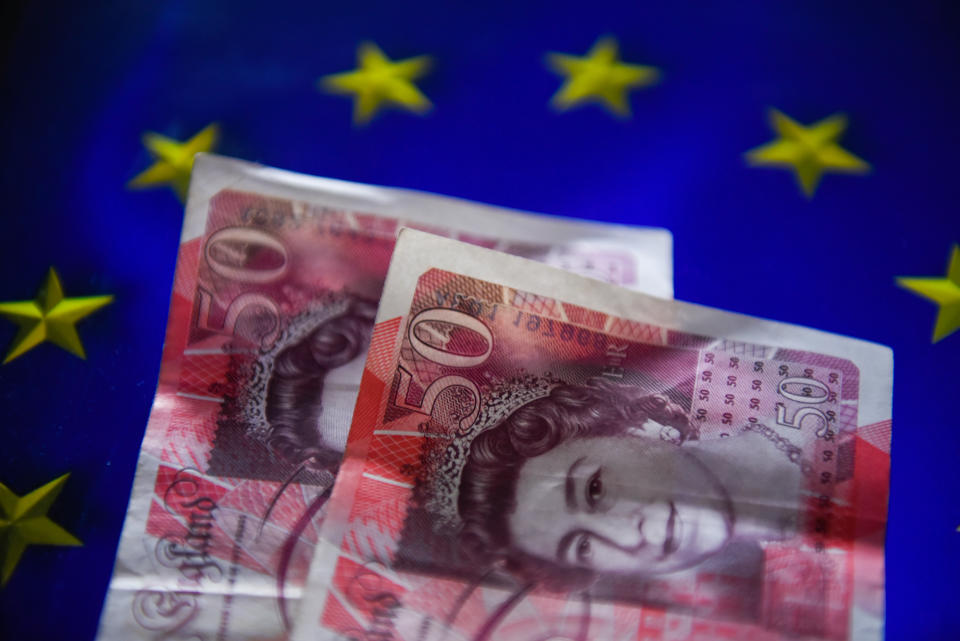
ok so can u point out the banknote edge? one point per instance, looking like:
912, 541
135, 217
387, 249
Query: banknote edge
213, 173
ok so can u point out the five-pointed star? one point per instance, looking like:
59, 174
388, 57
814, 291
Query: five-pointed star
174, 159
943, 291
809, 151
379, 80
50, 317
600, 76
24, 521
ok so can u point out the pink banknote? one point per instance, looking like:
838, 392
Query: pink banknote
537, 457
277, 284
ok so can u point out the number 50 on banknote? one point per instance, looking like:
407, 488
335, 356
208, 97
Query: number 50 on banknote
538, 456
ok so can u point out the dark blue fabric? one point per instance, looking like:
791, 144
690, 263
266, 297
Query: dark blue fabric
84, 80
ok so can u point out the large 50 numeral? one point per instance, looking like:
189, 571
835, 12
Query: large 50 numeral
462, 412
803, 412
252, 315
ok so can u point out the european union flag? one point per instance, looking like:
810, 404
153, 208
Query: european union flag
810, 221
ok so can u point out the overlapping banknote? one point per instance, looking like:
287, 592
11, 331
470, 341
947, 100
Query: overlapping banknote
535, 456
276, 289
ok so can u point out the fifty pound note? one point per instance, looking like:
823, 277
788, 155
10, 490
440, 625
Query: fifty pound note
277, 283
538, 456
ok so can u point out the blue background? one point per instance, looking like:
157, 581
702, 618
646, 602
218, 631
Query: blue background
83, 81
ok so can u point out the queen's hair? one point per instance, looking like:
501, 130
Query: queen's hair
487, 495
295, 390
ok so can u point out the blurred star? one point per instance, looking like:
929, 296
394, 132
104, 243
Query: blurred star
945, 292
808, 151
24, 521
600, 76
50, 317
174, 159
379, 81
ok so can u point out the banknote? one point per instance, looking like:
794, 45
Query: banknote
276, 287
536, 456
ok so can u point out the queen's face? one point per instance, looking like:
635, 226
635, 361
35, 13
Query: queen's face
620, 505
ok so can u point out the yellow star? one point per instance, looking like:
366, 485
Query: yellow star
50, 317
600, 76
943, 291
379, 80
174, 159
809, 151
24, 521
